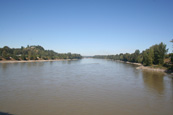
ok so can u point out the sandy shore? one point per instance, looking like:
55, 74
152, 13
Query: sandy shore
165, 71
24, 61
150, 68
140, 66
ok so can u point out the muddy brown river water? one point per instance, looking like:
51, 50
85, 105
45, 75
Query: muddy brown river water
83, 87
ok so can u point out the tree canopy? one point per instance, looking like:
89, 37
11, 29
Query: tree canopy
34, 53
154, 55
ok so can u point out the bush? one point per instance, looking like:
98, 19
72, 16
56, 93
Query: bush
45, 58
23, 57
15, 57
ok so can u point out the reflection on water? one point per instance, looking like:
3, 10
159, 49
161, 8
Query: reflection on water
2, 113
154, 81
4, 66
83, 87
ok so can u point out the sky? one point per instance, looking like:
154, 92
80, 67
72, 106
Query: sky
87, 27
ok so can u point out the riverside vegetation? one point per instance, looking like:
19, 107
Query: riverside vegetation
33, 53
156, 57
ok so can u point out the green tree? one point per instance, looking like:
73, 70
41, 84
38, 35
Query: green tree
159, 53
136, 56
148, 57
29, 55
6, 48
5, 55
139, 58
171, 56
15, 57
23, 57
126, 57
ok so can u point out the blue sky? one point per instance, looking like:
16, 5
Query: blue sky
88, 27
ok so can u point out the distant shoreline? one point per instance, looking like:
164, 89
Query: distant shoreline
24, 61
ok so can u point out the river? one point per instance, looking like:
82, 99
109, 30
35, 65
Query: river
83, 87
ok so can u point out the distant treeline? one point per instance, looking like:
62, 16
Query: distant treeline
33, 53
156, 55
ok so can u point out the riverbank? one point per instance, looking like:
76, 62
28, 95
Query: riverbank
138, 64
24, 61
150, 68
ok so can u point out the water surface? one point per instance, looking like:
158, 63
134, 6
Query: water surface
83, 87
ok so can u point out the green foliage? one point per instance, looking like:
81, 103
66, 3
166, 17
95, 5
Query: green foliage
153, 55
125, 57
34, 53
139, 58
5, 55
159, 53
170, 56
33, 57
15, 57
23, 57
148, 56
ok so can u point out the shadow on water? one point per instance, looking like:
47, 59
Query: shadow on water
2, 113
